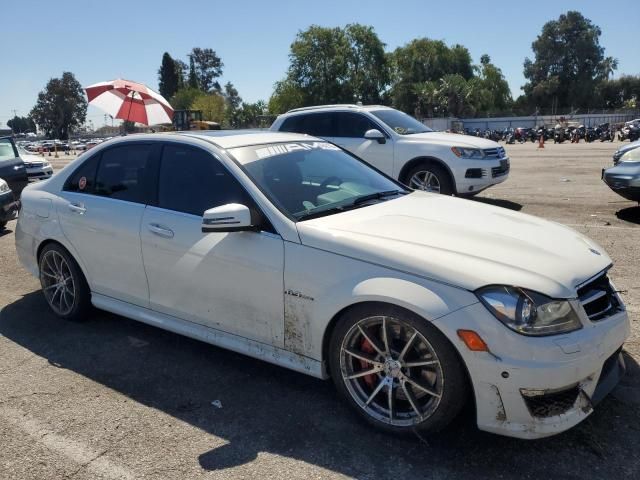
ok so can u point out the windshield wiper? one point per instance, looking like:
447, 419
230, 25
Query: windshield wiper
377, 195
357, 203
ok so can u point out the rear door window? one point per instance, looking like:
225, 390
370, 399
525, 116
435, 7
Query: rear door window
123, 173
318, 125
84, 178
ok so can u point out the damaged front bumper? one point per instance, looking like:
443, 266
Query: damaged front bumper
537, 387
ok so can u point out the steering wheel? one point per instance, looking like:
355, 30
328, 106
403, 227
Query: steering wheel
327, 181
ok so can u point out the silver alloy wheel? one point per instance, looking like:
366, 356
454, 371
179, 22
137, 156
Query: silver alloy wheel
425, 180
391, 371
57, 282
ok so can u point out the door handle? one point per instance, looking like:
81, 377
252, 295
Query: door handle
160, 230
77, 208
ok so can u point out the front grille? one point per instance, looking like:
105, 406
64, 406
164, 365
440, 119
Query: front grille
552, 403
494, 152
598, 298
503, 169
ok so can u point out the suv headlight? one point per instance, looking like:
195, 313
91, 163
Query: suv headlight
463, 152
527, 312
4, 188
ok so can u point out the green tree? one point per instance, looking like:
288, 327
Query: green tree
622, 92
368, 73
129, 126
192, 81
250, 115
569, 63
318, 65
233, 103
423, 60
168, 76
61, 106
183, 99
333, 65
212, 106
497, 94
21, 124
286, 96
207, 68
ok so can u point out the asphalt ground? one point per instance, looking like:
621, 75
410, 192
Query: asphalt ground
113, 398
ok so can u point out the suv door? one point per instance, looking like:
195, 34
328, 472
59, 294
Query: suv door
100, 212
12, 169
348, 129
227, 281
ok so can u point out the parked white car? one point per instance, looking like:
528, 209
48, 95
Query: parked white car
38, 168
403, 148
288, 249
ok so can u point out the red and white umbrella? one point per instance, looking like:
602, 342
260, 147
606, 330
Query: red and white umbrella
130, 101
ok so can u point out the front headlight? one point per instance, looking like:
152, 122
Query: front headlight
529, 313
4, 188
463, 152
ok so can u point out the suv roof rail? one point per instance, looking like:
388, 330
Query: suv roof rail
318, 107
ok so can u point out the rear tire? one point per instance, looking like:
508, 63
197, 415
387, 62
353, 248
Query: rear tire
2, 226
430, 177
63, 284
409, 379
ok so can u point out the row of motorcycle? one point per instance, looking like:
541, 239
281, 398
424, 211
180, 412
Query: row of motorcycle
559, 134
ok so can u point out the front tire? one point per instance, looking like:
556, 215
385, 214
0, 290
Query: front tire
396, 370
430, 177
63, 284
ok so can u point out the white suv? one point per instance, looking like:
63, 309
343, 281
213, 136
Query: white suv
402, 147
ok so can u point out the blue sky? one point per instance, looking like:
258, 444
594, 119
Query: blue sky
99, 40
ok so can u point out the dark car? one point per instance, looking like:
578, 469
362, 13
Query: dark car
624, 149
624, 178
12, 168
8, 204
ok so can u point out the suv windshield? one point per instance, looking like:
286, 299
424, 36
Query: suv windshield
310, 179
400, 122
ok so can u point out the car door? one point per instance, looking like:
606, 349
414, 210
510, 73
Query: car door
12, 168
100, 212
348, 129
227, 281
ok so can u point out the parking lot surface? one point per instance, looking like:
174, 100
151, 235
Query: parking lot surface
113, 398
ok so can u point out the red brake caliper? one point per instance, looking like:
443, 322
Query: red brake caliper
366, 347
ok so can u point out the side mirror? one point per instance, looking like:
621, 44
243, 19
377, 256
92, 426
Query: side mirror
232, 217
375, 134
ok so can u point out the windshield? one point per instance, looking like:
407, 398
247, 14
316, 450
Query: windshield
311, 179
400, 122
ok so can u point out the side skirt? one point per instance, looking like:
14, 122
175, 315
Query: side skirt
238, 344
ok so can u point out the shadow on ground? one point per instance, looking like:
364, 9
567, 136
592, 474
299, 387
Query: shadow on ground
631, 214
499, 202
270, 409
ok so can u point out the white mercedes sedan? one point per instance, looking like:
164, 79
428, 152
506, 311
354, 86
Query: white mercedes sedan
292, 250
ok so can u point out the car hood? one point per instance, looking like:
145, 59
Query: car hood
452, 139
463, 243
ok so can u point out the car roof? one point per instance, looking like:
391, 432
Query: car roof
337, 107
244, 138
221, 138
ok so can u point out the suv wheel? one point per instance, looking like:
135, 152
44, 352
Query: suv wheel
430, 178
63, 284
399, 372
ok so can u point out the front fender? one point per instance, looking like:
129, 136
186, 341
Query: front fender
319, 285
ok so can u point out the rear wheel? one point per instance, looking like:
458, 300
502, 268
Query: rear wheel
2, 226
396, 370
64, 287
430, 177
